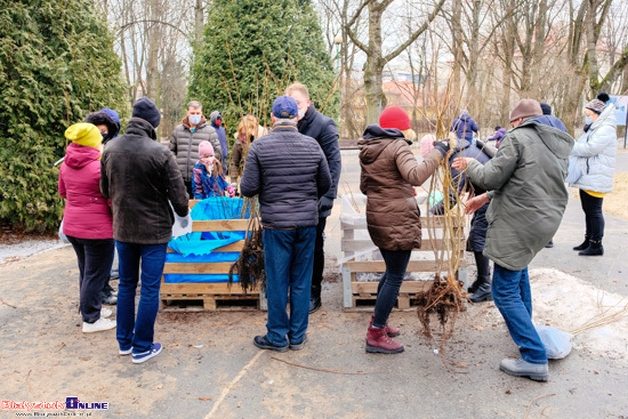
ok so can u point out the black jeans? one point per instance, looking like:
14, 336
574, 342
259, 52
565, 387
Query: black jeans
95, 258
319, 259
388, 289
593, 216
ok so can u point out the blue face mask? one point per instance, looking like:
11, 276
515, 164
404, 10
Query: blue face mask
194, 119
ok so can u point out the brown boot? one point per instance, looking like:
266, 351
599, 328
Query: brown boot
391, 331
377, 341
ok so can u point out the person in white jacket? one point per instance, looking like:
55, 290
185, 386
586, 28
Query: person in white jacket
592, 164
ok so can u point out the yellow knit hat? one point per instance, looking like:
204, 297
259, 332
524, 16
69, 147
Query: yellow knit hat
84, 134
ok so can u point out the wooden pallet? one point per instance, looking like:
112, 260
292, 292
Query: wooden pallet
358, 293
364, 295
193, 296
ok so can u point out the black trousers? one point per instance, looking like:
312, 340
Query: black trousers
95, 258
593, 216
319, 259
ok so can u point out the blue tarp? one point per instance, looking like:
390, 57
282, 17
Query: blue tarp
199, 247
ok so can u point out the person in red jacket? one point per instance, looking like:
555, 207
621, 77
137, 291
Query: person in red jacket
87, 221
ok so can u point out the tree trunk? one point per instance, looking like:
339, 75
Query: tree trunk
374, 66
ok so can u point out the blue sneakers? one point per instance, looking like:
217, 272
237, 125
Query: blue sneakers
145, 356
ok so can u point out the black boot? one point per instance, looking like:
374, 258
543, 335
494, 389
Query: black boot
595, 248
476, 284
582, 245
315, 299
484, 271
483, 292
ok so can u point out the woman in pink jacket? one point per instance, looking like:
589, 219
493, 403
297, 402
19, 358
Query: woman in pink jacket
87, 221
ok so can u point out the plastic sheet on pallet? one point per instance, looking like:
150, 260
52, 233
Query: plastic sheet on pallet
200, 247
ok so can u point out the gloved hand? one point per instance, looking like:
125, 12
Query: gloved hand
442, 146
325, 204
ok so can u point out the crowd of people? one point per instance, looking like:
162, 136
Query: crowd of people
121, 192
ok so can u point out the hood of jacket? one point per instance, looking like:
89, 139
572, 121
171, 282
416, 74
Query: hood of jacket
141, 127
77, 156
375, 139
558, 142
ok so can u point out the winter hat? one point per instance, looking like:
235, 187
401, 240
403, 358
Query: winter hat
394, 117
526, 108
285, 107
205, 149
596, 105
604, 97
215, 115
546, 108
84, 134
146, 109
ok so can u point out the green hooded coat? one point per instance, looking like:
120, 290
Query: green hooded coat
527, 177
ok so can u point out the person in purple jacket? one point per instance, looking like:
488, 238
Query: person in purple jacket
464, 126
87, 221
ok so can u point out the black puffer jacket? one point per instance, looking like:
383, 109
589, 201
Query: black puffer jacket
140, 176
290, 173
323, 129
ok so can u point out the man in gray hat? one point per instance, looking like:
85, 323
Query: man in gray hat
527, 194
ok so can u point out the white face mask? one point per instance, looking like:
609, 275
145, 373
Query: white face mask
588, 120
194, 119
301, 113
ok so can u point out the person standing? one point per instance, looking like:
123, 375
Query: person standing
87, 221
140, 176
527, 197
481, 288
289, 172
187, 136
215, 118
464, 126
247, 131
389, 172
323, 129
593, 158
108, 122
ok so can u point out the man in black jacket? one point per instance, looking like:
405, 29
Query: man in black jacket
289, 173
323, 129
140, 176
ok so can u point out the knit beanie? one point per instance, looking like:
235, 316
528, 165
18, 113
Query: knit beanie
84, 134
526, 108
596, 105
205, 149
146, 109
394, 117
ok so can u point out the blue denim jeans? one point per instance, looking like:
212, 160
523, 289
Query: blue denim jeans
513, 298
389, 284
131, 331
288, 261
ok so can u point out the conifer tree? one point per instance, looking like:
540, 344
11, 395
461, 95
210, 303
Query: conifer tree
252, 50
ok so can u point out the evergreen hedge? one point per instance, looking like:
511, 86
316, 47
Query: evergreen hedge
57, 64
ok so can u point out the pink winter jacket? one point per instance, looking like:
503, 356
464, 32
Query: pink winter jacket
87, 214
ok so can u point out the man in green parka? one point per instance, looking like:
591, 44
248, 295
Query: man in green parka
527, 193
